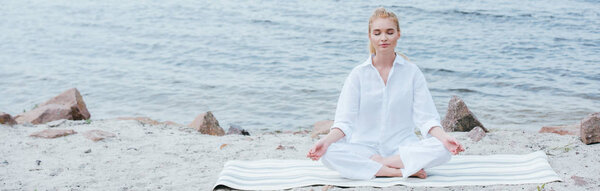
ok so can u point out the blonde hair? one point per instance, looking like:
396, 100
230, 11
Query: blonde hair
383, 13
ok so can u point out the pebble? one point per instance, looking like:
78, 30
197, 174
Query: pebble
56, 123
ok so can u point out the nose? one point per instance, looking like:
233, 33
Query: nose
385, 38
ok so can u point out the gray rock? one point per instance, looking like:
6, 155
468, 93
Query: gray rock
56, 172
53, 133
74, 123
237, 130
579, 181
590, 129
27, 124
476, 134
7, 119
56, 123
97, 135
459, 117
67, 105
206, 123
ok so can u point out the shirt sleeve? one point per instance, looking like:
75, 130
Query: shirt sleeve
346, 112
425, 115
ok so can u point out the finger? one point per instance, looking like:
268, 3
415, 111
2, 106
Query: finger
453, 141
459, 145
319, 154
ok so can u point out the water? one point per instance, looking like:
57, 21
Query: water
281, 64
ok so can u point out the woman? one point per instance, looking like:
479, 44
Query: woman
381, 102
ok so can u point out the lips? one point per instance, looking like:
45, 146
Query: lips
384, 45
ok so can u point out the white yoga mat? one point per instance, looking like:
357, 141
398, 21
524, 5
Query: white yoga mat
462, 170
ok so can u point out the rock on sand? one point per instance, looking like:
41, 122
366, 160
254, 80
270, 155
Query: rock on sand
67, 105
459, 117
590, 129
206, 123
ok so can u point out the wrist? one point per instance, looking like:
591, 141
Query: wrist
325, 141
439, 133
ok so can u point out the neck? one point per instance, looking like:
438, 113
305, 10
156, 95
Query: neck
384, 59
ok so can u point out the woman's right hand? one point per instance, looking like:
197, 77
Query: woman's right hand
318, 150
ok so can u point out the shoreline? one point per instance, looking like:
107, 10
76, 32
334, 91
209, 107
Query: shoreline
171, 157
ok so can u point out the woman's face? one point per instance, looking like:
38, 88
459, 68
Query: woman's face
384, 35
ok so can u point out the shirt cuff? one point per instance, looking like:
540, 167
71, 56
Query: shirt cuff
427, 126
344, 127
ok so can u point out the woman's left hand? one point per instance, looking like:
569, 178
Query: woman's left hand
452, 145
449, 142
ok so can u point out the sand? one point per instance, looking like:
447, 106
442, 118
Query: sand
163, 157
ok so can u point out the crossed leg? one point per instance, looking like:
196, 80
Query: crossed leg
392, 165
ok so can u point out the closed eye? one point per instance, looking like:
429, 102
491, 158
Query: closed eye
390, 31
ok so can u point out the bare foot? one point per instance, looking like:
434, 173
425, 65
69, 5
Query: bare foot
421, 174
388, 172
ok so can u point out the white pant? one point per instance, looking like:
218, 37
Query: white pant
353, 160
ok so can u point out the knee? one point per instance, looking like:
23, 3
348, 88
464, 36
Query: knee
328, 156
326, 160
444, 155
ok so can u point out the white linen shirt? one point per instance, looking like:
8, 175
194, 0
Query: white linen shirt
385, 116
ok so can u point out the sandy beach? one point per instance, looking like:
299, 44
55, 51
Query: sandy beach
275, 68
167, 157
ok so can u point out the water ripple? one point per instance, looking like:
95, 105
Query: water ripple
281, 64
